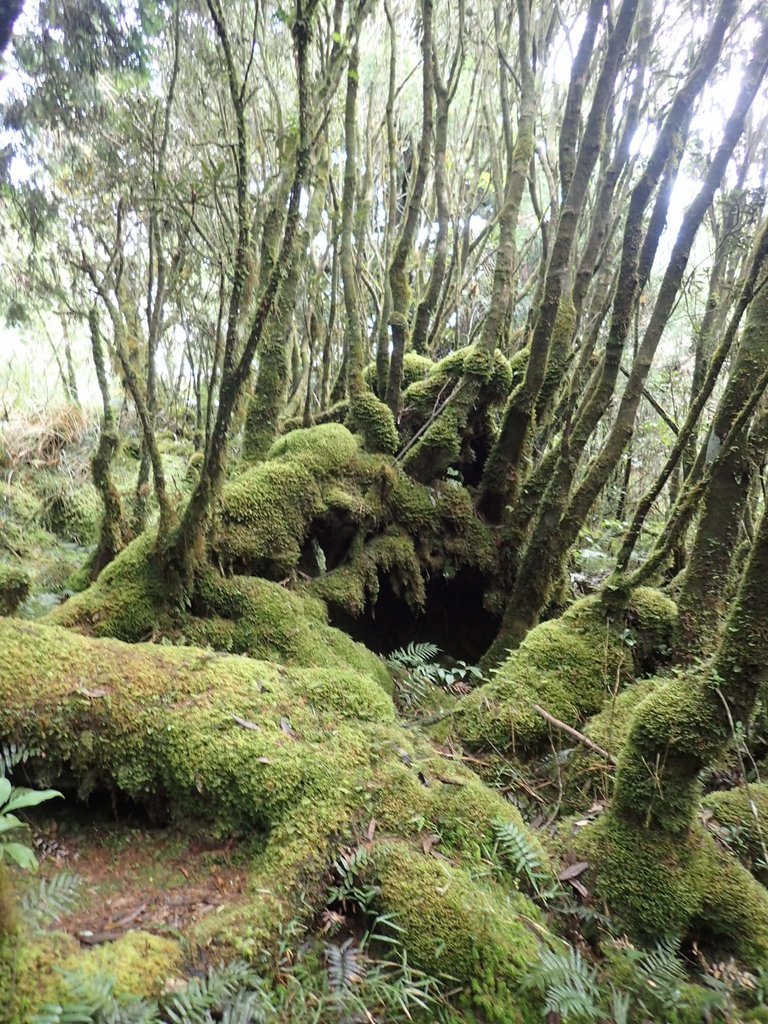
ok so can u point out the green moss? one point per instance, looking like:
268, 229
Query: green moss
299, 759
447, 441
248, 615
138, 963
355, 585
483, 938
742, 814
125, 601
587, 776
71, 512
267, 512
658, 884
265, 517
569, 666
673, 735
415, 368
375, 423
14, 588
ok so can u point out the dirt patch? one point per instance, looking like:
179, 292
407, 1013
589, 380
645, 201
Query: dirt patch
159, 880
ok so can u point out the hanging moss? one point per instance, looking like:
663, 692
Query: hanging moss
569, 666
14, 588
355, 584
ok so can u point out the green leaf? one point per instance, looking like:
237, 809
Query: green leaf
19, 854
5, 790
9, 821
31, 798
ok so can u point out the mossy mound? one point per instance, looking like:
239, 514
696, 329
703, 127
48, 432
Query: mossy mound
660, 884
14, 588
124, 602
569, 666
240, 615
742, 816
298, 760
481, 936
71, 512
139, 965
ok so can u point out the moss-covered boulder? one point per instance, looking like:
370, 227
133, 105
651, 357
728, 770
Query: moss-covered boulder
138, 965
15, 584
569, 666
297, 760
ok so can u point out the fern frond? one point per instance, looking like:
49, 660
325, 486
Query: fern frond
192, 1005
344, 965
516, 851
51, 898
414, 655
12, 755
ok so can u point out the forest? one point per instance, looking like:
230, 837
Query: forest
383, 512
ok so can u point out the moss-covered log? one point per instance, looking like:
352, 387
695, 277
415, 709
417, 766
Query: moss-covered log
300, 760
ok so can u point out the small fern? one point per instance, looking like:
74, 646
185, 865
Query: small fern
344, 964
12, 755
414, 656
513, 847
215, 991
568, 984
50, 899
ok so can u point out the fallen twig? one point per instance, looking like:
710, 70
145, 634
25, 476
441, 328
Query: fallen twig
584, 740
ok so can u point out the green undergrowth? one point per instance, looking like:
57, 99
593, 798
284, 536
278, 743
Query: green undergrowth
569, 666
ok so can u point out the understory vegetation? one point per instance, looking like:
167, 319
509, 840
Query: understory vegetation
383, 529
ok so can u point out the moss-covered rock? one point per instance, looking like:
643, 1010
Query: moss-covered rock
137, 964
14, 588
569, 666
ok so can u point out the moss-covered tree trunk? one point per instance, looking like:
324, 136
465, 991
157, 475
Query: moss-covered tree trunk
706, 582
112, 528
660, 872
399, 283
